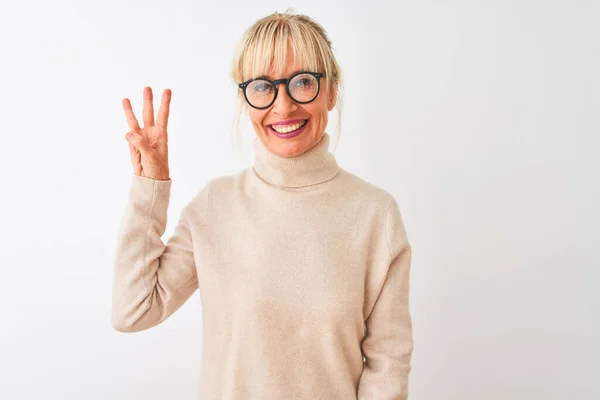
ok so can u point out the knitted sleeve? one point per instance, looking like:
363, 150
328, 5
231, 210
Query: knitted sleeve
387, 346
151, 279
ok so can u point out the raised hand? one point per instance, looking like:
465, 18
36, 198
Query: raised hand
148, 145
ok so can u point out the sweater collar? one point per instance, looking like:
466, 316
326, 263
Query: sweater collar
316, 165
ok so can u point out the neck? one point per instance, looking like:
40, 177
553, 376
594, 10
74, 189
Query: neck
314, 166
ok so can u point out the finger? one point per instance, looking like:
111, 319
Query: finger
148, 107
162, 147
139, 142
162, 118
131, 119
136, 161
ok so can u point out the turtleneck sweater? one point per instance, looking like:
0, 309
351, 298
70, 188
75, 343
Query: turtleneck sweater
303, 274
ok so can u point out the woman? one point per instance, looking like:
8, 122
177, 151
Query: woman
302, 267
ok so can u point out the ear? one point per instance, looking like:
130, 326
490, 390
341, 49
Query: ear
331, 101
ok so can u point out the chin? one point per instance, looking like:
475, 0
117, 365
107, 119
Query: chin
290, 147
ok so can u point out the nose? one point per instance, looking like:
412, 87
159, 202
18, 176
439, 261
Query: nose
284, 105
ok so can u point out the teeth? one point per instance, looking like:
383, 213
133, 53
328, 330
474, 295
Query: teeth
288, 128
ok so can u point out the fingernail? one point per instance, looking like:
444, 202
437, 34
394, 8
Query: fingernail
129, 135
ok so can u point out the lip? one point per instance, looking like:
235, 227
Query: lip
288, 122
288, 136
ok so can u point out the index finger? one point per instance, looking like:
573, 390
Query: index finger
162, 118
131, 119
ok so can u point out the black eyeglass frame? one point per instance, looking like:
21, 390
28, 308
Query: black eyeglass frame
287, 81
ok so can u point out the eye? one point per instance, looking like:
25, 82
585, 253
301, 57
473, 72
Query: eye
303, 82
262, 87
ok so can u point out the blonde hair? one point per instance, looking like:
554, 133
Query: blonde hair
264, 46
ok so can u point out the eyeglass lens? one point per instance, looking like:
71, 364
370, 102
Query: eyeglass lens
303, 88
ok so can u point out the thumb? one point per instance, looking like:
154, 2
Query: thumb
138, 141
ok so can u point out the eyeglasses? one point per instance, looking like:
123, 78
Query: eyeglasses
303, 87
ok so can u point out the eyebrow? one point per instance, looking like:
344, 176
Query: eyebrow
268, 77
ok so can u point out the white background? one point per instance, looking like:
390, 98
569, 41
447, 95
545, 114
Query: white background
480, 117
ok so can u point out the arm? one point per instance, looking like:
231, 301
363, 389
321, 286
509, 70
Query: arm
151, 280
387, 346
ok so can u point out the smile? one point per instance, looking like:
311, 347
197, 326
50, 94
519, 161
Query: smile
288, 131
288, 128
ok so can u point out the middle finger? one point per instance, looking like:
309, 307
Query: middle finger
148, 107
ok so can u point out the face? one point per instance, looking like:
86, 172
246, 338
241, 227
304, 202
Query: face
285, 111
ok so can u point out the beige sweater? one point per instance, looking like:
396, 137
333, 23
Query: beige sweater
302, 268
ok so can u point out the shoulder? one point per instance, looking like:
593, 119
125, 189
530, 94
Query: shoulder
365, 192
226, 184
377, 202
198, 207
